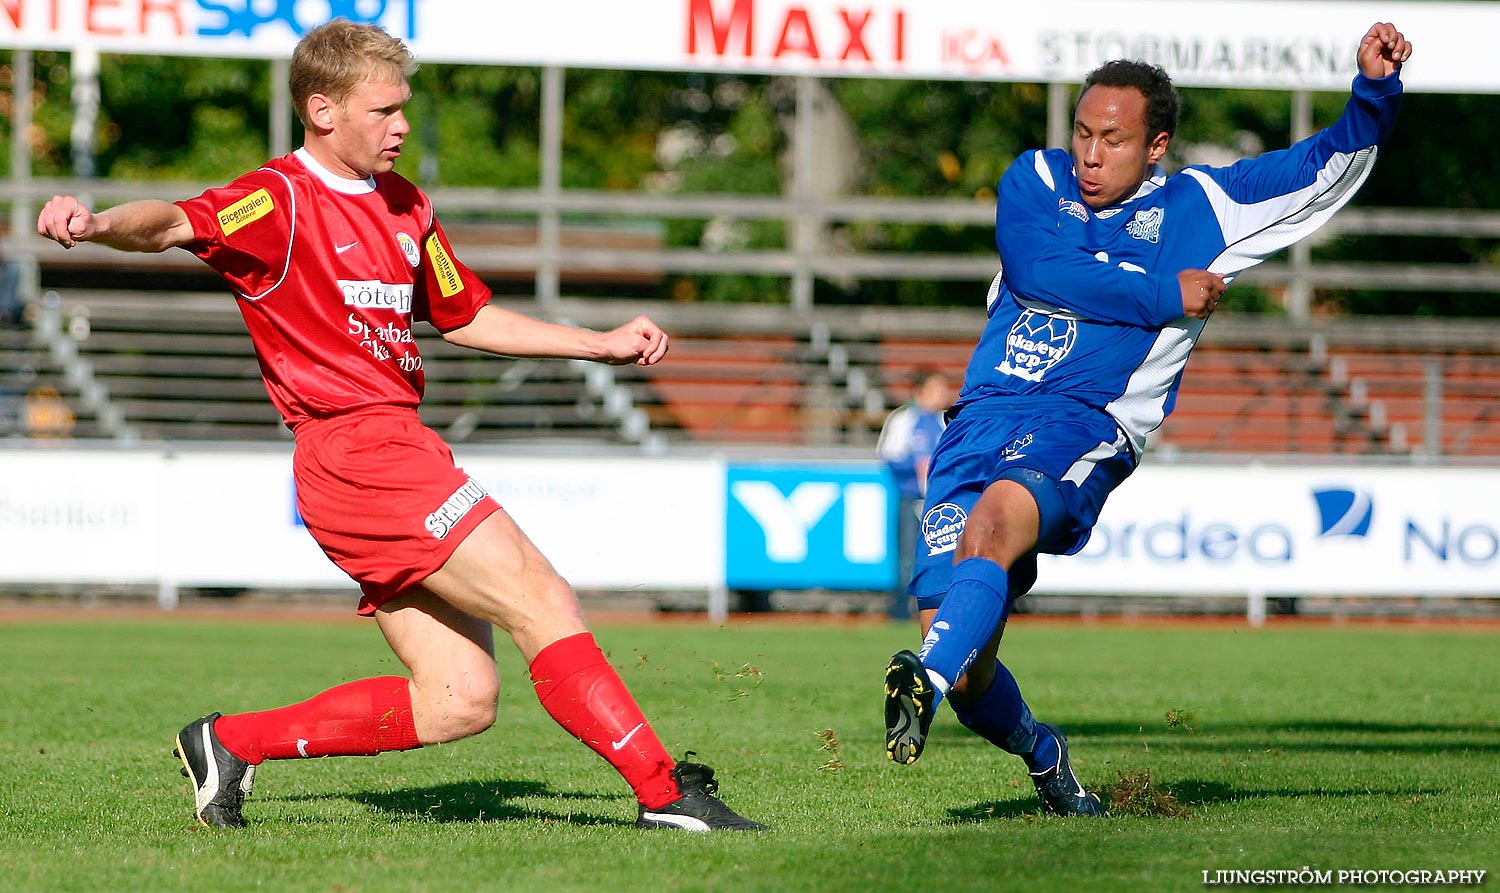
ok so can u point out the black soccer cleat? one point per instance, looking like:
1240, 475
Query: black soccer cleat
221, 780
1061, 792
697, 809
908, 707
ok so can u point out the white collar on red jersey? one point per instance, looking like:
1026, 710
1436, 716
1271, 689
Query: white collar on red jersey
334, 181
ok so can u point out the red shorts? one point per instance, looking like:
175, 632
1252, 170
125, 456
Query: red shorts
379, 492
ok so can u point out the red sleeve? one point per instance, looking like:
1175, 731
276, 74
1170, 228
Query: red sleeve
448, 294
244, 230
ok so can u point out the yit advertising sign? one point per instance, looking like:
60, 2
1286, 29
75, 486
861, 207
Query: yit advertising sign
809, 526
1291, 531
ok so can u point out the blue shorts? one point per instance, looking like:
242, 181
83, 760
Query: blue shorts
1070, 456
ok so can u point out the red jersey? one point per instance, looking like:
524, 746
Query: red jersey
330, 273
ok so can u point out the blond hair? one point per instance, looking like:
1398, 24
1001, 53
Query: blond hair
334, 59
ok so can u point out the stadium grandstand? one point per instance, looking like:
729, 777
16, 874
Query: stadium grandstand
169, 366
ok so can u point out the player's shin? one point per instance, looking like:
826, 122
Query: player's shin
359, 718
973, 609
581, 691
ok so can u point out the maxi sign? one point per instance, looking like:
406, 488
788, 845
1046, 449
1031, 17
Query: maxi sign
225, 518
1250, 43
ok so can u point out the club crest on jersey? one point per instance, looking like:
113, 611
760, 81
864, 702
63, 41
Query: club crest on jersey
1036, 343
1146, 225
1073, 209
409, 248
942, 526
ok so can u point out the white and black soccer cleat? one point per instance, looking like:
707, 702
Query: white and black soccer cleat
909, 705
697, 809
221, 780
1061, 791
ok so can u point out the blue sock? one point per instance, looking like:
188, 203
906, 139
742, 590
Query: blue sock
973, 609
1044, 755
1000, 716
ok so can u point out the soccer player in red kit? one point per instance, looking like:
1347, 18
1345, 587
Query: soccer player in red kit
332, 255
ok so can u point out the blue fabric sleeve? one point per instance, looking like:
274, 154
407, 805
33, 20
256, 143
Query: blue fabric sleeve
1036, 263
1368, 118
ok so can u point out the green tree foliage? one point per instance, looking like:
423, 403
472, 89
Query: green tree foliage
1440, 156
182, 118
206, 120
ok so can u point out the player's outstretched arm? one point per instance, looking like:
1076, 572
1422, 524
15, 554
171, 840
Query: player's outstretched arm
1382, 51
150, 225
507, 333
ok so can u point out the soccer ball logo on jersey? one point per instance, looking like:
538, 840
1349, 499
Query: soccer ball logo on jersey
941, 527
1146, 225
1036, 343
409, 248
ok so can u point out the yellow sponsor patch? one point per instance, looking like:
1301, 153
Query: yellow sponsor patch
247, 210
442, 266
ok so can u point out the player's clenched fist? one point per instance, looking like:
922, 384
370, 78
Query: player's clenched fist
639, 341
1382, 51
66, 221
1201, 291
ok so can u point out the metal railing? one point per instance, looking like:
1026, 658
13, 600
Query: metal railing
546, 255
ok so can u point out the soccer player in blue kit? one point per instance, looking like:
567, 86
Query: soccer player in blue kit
1109, 270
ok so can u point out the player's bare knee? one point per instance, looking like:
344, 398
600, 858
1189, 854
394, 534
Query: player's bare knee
469, 713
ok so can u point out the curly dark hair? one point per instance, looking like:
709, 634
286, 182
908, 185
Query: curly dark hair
1162, 102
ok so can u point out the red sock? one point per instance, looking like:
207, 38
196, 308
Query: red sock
359, 718
580, 690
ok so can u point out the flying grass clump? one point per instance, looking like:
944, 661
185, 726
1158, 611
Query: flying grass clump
1133, 793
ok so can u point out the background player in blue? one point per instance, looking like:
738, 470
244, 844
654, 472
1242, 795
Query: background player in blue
907, 439
1109, 270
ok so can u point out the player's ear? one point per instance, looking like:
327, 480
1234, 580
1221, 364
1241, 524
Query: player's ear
320, 112
1158, 147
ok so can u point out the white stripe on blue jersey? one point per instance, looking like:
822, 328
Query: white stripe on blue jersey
1087, 304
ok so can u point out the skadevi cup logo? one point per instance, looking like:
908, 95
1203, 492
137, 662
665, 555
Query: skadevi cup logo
942, 526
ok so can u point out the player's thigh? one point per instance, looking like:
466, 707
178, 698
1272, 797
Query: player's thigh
442, 646
1003, 525
499, 575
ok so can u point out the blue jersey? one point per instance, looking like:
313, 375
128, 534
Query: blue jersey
1087, 304
909, 436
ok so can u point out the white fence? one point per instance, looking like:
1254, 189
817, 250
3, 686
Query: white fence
226, 517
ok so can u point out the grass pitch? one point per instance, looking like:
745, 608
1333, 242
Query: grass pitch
1227, 748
